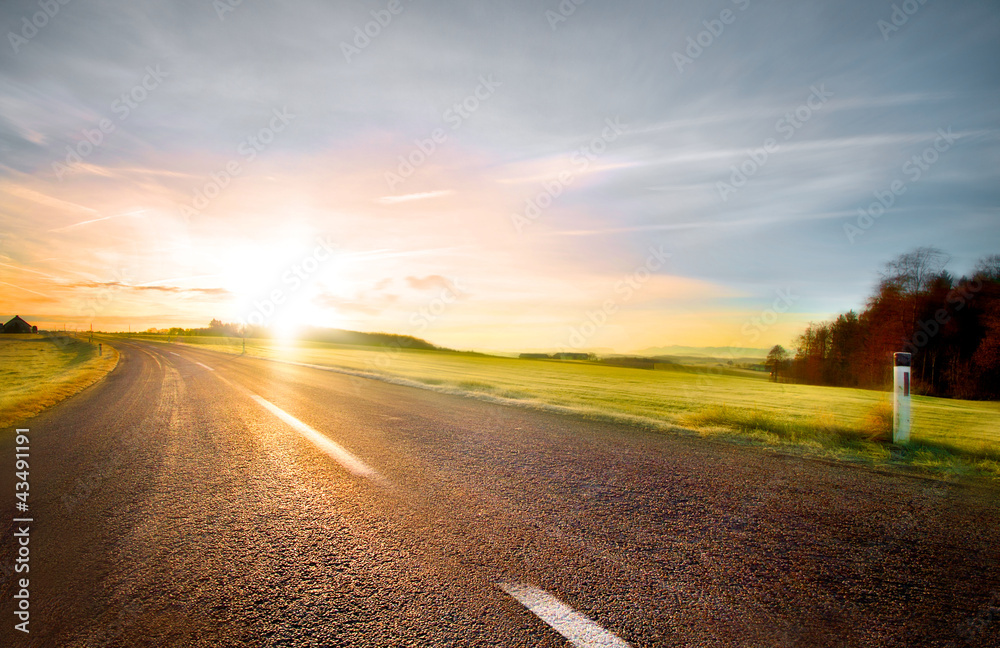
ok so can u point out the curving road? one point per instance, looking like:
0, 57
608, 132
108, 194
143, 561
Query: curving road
199, 499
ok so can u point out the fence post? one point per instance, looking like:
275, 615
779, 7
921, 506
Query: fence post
901, 398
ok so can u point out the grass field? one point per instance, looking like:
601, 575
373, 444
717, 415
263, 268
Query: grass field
38, 371
950, 437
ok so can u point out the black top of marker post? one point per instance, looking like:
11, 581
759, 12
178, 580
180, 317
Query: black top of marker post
901, 359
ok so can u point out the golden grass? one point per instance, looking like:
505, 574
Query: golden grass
949, 437
38, 371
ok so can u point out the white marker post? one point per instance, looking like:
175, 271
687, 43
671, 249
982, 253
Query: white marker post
901, 398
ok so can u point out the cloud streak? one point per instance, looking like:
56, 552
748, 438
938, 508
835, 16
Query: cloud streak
116, 221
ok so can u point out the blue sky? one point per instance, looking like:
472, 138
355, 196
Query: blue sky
117, 237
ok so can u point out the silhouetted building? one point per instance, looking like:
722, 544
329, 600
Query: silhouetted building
572, 356
18, 325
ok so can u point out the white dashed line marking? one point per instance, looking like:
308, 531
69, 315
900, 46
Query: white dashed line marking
576, 627
172, 353
336, 451
206, 366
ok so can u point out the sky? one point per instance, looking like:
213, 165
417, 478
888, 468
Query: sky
495, 176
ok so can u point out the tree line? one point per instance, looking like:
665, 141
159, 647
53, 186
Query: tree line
950, 325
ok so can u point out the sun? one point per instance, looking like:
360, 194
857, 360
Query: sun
248, 269
290, 320
273, 285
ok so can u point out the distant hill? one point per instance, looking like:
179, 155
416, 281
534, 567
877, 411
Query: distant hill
315, 334
703, 352
340, 336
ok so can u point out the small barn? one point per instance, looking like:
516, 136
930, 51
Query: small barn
18, 325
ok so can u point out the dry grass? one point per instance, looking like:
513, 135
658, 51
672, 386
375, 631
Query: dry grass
876, 425
868, 440
39, 371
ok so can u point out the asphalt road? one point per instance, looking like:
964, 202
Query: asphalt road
199, 499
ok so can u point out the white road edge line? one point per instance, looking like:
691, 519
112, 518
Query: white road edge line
576, 627
204, 365
336, 451
172, 353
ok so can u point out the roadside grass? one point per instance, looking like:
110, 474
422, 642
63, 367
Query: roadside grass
868, 440
38, 371
950, 438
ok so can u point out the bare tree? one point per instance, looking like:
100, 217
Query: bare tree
987, 268
912, 274
914, 271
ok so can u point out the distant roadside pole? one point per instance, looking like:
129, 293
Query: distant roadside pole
901, 398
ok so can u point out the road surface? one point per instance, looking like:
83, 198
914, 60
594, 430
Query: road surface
199, 499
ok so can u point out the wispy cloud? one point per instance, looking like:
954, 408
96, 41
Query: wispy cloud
23, 288
44, 199
325, 173
37, 272
98, 220
154, 288
392, 200
176, 279
432, 282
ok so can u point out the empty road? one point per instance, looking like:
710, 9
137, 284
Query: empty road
199, 499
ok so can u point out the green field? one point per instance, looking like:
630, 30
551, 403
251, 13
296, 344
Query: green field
950, 437
38, 371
